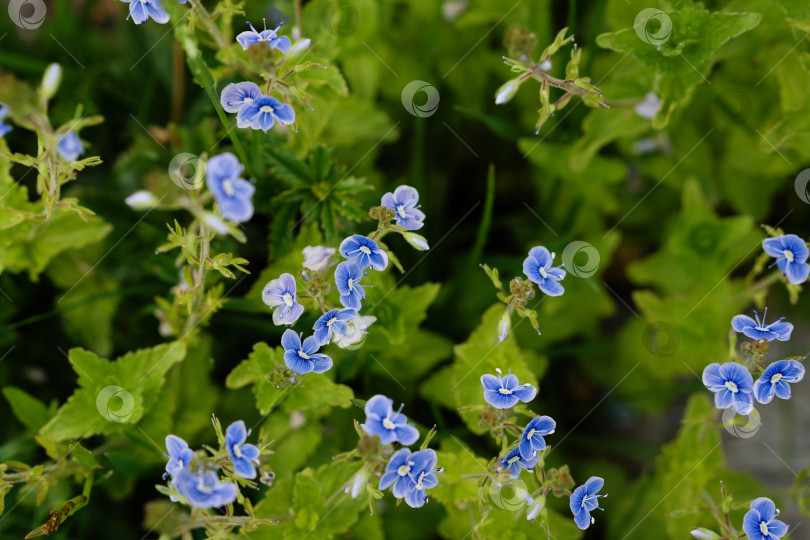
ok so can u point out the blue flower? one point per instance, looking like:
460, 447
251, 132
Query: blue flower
316, 258
333, 322
503, 393
70, 147
531, 441
180, 455
760, 521
389, 426
756, 329
791, 256
515, 463
733, 386
262, 113
243, 456
537, 267
237, 95
585, 500
280, 293
4, 128
775, 379
411, 475
347, 279
203, 489
364, 251
141, 10
303, 357
403, 201
251, 37
231, 192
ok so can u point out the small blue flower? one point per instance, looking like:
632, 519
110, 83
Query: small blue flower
141, 10
4, 128
251, 37
411, 475
237, 95
531, 441
503, 393
364, 251
760, 521
585, 500
303, 357
280, 293
538, 269
756, 329
243, 456
203, 489
316, 258
733, 386
515, 463
791, 256
262, 113
70, 147
775, 379
389, 426
347, 279
333, 322
404, 201
180, 455
232, 193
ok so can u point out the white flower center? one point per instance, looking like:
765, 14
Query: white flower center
419, 481
266, 109
227, 187
776, 378
365, 250
351, 284
531, 433
330, 322
303, 355
788, 255
731, 386
401, 210
763, 527
543, 273
504, 391
762, 328
201, 487
514, 460
403, 470
287, 299
388, 424
237, 451
247, 99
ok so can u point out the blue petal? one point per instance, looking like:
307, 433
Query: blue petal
244, 468
424, 461
407, 434
777, 528
310, 346
138, 12
281, 43
387, 479
763, 390
250, 452
782, 389
740, 322
321, 363
298, 364
379, 405
175, 445
712, 378
498, 400
765, 507
594, 485
490, 382
290, 340
525, 392
402, 485
551, 287
233, 96
525, 448
797, 272
782, 330
416, 498
723, 399
247, 39
156, 11
793, 372
351, 300
543, 424
774, 246
582, 519
236, 433
797, 246
378, 260
541, 255
743, 403
284, 113
751, 523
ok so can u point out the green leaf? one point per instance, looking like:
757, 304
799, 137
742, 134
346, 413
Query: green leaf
683, 59
27, 409
111, 393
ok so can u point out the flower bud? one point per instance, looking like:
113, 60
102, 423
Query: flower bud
504, 326
51, 80
417, 241
507, 91
141, 200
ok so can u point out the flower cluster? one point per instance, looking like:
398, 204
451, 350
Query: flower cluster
733, 383
344, 326
410, 474
539, 268
526, 453
194, 477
